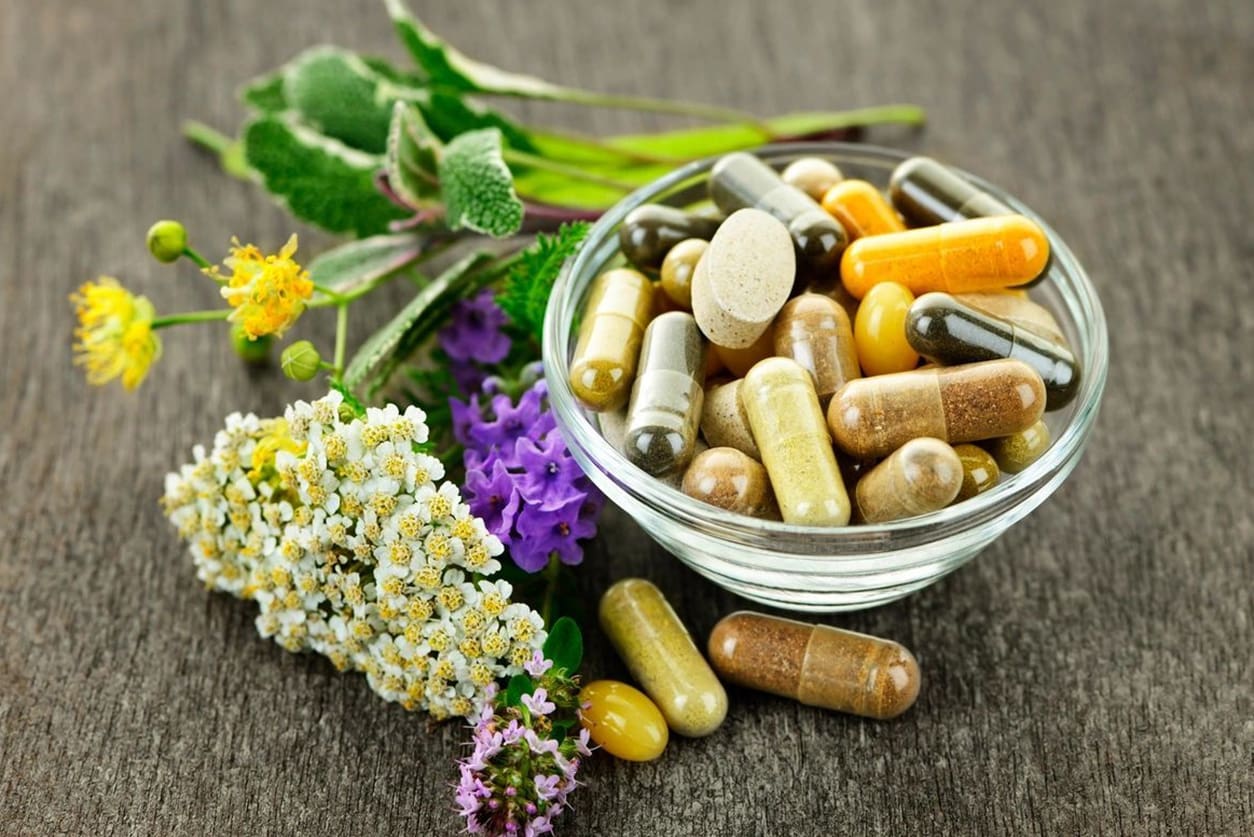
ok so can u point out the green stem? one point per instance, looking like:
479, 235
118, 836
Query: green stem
341, 337
551, 574
200, 260
573, 95
190, 317
534, 161
229, 150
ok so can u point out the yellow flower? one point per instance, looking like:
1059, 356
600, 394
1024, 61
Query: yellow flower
268, 293
114, 338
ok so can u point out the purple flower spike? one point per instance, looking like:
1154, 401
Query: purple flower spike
509, 424
493, 496
474, 331
550, 475
466, 415
545, 531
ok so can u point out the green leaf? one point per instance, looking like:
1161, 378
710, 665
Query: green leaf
350, 400
337, 94
564, 645
317, 178
358, 264
265, 93
450, 115
524, 295
411, 157
519, 685
477, 186
388, 347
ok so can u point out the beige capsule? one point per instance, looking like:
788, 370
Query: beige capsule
1014, 453
667, 396
604, 364
921, 476
729, 479
661, 656
812, 175
724, 422
814, 330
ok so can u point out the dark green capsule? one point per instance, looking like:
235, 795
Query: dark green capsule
943, 329
667, 397
740, 181
649, 232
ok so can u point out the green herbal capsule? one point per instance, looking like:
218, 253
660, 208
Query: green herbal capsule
649, 232
1014, 453
666, 398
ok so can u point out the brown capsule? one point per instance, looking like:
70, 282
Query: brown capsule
677, 270
729, 479
979, 471
724, 422
921, 476
812, 175
815, 664
1014, 453
814, 331
604, 364
740, 361
871, 417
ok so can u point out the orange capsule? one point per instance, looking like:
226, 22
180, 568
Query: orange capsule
861, 209
975, 255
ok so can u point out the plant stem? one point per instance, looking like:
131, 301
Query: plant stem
551, 574
341, 337
200, 260
190, 317
230, 152
522, 158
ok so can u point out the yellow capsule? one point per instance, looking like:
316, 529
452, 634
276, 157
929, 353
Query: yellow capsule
979, 471
604, 363
879, 330
1014, 453
622, 720
974, 255
661, 656
861, 209
677, 269
788, 426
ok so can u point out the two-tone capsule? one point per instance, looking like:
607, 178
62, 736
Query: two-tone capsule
814, 330
872, 417
741, 180
665, 407
941, 328
921, 476
928, 193
649, 232
604, 364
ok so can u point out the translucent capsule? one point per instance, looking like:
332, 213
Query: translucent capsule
665, 406
921, 476
815, 664
861, 209
814, 331
787, 424
975, 255
741, 180
879, 330
724, 422
1014, 306
661, 656
731, 480
622, 720
812, 175
873, 417
928, 193
649, 232
1016, 452
677, 270
604, 363
979, 471
943, 329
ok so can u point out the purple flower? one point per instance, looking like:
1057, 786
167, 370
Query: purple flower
466, 414
547, 786
550, 474
474, 331
538, 702
545, 531
468, 376
537, 665
493, 496
508, 424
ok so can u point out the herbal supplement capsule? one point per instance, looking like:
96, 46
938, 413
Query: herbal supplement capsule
812, 175
1017, 451
622, 720
731, 480
872, 417
741, 180
1016, 307
975, 255
740, 361
979, 471
943, 329
921, 476
814, 331
879, 330
787, 423
743, 279
724, 422
661, 655
666, 397
614, 319
928, 193
815, 664
831, 286
677, 270
649, 232
861, 209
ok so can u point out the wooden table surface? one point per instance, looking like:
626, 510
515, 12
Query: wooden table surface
1089, 673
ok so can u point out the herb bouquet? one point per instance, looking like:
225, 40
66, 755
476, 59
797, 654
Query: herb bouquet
385, 536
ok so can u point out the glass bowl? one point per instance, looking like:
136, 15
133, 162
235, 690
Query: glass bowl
808, 568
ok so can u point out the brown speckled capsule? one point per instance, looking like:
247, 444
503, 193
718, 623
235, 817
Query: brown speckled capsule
872, 417
812, 175
921, 476
661, 656
979, 471
666, 397
815, 664
814, 331
649, 232
724, 422
677, 270
604, 363
1017, 451
731, 480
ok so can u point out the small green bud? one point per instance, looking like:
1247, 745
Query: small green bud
167, 240
250, 351
301, 361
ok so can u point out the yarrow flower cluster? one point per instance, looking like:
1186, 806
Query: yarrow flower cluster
114, 338
337, 528
521, 478
268, 293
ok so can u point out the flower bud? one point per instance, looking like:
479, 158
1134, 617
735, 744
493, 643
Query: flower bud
301, 361
250, 351
167, 240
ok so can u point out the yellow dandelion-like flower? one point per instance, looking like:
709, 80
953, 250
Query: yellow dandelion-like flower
268, 293
114, 338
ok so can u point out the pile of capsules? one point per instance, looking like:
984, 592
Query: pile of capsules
794, 327
816, 665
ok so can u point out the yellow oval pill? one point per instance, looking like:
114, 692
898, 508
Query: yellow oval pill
879, 330
623, 721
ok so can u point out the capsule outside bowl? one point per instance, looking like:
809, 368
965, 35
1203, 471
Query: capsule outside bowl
804, 568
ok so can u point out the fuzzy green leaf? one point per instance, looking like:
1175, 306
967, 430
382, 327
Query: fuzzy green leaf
450, 115
411, 157
265, 93
477, 186
524, 295
317, 178
352, 266
564, 645
337, 94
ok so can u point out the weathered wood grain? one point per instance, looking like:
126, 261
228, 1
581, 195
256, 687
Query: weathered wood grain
1090, 673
